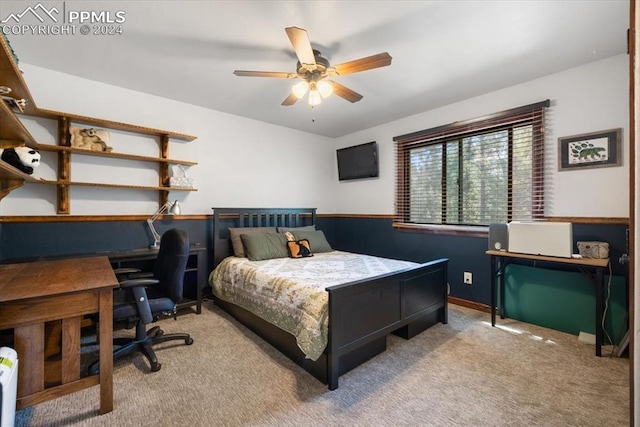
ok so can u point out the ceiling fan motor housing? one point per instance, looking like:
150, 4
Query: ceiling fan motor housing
321, 67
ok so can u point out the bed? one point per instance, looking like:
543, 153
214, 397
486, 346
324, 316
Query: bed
354, 313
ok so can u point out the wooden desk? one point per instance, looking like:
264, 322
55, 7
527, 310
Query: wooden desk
196, 273
592, 268
37, 292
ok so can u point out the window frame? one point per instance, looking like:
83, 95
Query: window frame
441, 135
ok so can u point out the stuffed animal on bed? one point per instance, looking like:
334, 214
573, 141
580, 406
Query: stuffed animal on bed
24, 158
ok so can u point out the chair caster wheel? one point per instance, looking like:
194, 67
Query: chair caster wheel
188, 341
156, 367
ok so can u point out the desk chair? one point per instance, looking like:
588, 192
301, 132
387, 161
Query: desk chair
150, 298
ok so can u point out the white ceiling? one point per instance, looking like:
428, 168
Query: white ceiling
443, 51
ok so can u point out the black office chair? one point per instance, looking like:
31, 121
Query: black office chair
150, 298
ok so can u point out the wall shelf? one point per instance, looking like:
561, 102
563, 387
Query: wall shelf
92, 121
107, 185
11, 77
13, 133
48, 147
12, 178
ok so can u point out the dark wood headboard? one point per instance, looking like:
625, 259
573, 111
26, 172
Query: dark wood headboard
225, 218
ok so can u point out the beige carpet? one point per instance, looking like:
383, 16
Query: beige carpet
465, 373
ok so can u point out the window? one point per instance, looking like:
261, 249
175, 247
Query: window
475, 173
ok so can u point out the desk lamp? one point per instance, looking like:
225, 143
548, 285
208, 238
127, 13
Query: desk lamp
172, 208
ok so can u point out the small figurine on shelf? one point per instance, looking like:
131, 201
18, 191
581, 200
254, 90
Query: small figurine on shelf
89, 139
25, 159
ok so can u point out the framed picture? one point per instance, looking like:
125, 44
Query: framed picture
590, 150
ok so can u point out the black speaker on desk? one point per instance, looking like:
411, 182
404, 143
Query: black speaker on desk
498, 237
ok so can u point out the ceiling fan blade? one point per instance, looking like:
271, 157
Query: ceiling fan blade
345, 92
363, 64
290, 100
302, 46
278, 74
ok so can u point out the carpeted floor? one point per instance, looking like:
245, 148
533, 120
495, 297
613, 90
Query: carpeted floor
465, 373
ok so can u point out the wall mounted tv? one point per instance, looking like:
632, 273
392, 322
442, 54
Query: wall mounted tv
358, 161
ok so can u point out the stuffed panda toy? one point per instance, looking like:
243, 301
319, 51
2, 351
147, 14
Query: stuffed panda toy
24, 158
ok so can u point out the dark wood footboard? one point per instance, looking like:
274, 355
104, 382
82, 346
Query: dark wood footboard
361, 313
364, 311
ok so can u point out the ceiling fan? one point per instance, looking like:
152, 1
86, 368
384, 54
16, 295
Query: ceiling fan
314, 70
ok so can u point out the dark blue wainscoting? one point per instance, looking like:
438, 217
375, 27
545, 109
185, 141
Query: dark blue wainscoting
375, 236
25, 240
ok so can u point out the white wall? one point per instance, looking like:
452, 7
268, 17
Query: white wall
244, 162
241, 162
585, 99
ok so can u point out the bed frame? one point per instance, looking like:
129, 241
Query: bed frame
361, 313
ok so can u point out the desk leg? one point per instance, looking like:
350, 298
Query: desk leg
502, 306
29, 344
599, 279
106, 350
493, 290
201, 279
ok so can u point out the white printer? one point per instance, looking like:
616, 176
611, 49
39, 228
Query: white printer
541, 238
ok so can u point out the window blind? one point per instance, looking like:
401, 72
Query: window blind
476, 172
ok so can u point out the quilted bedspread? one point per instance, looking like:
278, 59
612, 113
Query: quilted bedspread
290, 293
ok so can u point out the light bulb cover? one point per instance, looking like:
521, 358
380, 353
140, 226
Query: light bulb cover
325, 88
300, 88
314, 98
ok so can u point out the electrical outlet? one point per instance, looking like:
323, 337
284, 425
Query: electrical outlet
468, 278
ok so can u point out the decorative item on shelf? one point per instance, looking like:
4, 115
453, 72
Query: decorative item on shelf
599, 250
25, 159
179, 177
172, 208
17, 105
90, 139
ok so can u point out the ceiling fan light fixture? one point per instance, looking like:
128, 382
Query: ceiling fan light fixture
300, 88
314, 98
325, 88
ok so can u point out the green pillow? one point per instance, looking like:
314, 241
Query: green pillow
317, 240
236, 243
258, 247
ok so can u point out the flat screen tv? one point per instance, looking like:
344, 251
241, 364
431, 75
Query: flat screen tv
358, 161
